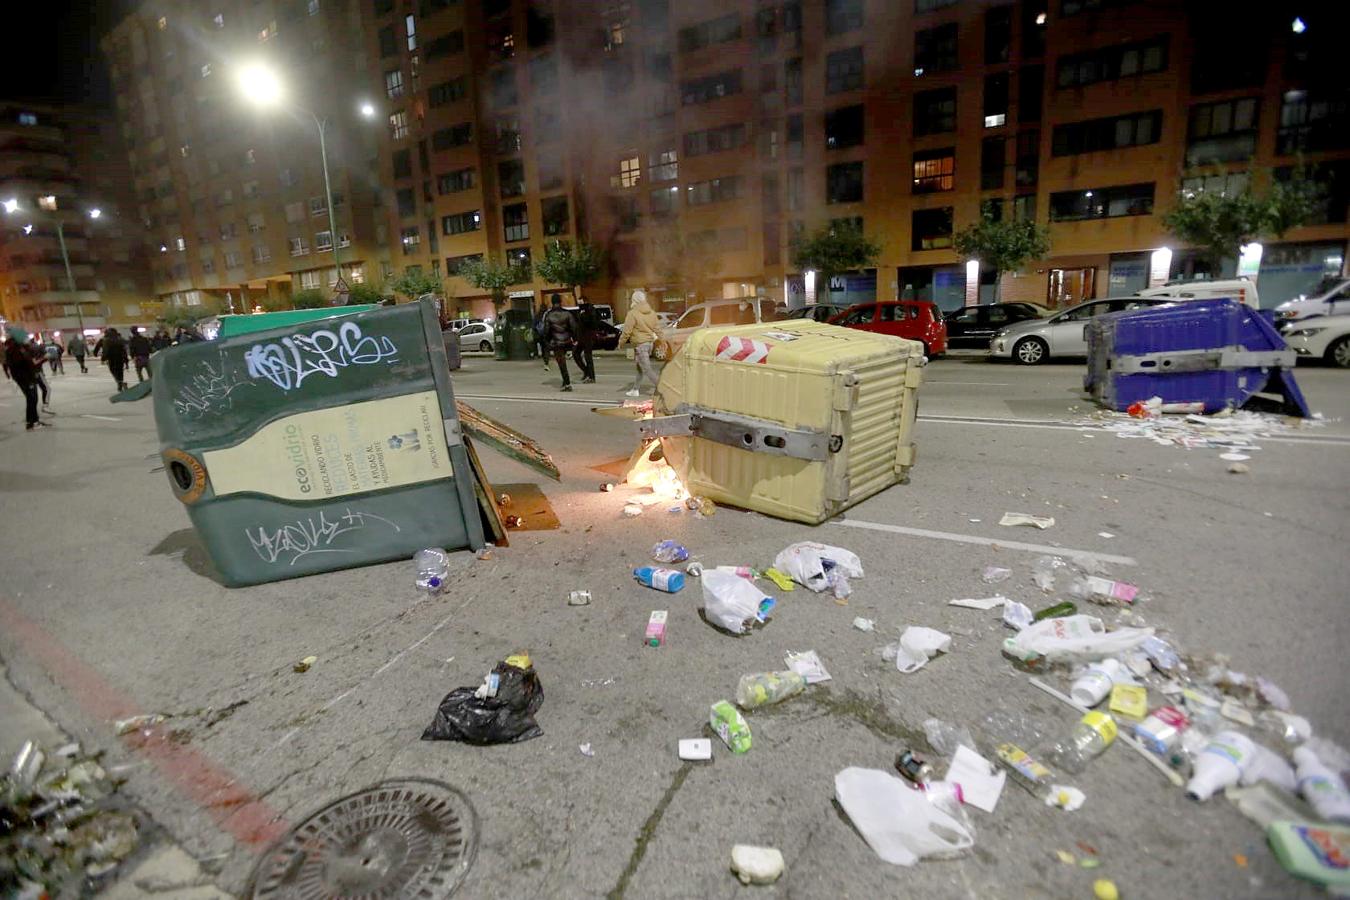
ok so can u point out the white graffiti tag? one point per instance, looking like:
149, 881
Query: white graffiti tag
294, 541
209, 388
290, 362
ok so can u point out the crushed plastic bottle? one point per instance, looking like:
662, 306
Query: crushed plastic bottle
944, 737
995, 574
433, 569
767, 688
669, 552
1093, 734
1044, 572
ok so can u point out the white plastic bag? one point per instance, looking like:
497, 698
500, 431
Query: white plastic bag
918, 645
730, 600
1074, 637
900, 824
804, 562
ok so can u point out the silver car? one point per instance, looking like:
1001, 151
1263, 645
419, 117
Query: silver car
476, 336
1034, 341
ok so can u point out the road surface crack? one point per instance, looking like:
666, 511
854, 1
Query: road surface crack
648, 831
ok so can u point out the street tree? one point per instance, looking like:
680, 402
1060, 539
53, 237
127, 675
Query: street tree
570, 265
1002, 245
1219, 224
491, 274
833, 250
413, 283
362, 294
310, 298
173, 319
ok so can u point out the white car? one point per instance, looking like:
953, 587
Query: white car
1243, 290
476, 336
1325, 337
743, 311
1330, 298
1033, 341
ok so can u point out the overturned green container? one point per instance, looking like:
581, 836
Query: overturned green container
318, 445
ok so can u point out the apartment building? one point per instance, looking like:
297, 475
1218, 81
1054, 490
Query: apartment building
64, 167
231, 196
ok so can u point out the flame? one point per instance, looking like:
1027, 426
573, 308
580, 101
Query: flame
657, 475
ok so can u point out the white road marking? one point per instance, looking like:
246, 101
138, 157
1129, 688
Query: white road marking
970, 383
100, 418
988, 542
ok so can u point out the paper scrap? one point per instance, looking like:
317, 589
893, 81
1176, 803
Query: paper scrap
864, 624
1105, 534
808, 665
981, 782
1065, 797
1041, 522
918, 645
980, 602
1234, 710
1016, 615
585, 749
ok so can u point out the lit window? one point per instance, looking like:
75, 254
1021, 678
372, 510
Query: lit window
256, 222
358, 274
630, 172
344, 239
179, 244
27, 119
47, 202
393, 84
309, 280
206, 70
665, 165
398, 125
411, 25
185, 151
163, 23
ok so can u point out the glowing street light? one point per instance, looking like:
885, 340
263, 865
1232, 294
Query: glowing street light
12, 206
1298, 26
95, 213
260, 85
368, 110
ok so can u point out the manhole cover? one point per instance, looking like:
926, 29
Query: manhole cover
402, 838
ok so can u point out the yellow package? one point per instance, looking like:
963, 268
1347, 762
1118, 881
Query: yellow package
1129, 700
520, 660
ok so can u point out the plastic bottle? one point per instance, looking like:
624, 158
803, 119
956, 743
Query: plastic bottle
1322, 787
669, 552
1220, 764
668, 580
1162, 729
768, 687
433, 569
1093, 734
1093, 685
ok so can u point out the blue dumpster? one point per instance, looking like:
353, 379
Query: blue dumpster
1216, 353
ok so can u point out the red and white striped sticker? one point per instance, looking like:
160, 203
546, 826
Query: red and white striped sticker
734, 349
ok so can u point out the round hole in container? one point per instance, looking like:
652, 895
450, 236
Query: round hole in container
182, 476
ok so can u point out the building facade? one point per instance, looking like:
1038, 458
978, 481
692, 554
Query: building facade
65, 167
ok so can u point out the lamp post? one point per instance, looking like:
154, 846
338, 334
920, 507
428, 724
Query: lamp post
12, 206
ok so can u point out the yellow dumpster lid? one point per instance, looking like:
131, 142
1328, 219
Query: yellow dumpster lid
799, 344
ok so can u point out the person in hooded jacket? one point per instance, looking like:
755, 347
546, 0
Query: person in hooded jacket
114, 352
642, 329
560, 333
140, 350
22, 365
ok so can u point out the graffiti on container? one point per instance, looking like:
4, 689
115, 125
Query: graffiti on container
292, 542
210, 388
324, 352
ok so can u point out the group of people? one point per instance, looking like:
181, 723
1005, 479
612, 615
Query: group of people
559, 331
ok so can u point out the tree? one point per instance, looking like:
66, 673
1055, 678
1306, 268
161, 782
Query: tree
1219, 225
833, 250
174, 319
1002, 245
310, 298
362, 294
570, 265
413, 283
494, 276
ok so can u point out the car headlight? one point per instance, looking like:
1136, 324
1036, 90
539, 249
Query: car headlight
1303, 332
1001, 333
1288, 313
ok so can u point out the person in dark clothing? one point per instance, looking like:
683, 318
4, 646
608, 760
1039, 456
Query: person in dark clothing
160, 341
78, 349
588, 322
23, 366
560, 332
54, 351
114, 352
541, 334
140, 350
39, 357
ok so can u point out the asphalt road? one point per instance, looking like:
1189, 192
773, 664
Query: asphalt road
109, 608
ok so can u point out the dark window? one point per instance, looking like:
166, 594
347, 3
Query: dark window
768, 193
1024, 208
461, 223
402, 163
795, 130
493, 8
773, 244
1030, 87
993, 156
1113, 133
454, 136
1333, 204
996, 100
544, 73
445, 45
710, 87
383, 6
766, 31
844, 183
792, 81
618, 74
456, 181
554, 211
539, 27
717, 190
406, 202
934, 171
844, 70
714, 140
516, 222
388, 41
1226, 58
627, 215
551, 171
659, 67
511, 178
433, 242
519, 259
1222, 132
992, 209
508, 135
454, 264
998, 34
706, 34
931, 229
1102, 203
502, 87
935, 50
843, 15
1026, 166
446, 92
665, 201
1312, 121
935, 111
922, 6
844, 127
1112, 63
1074, 7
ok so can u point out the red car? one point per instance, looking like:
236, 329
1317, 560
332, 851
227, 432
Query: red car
916, 320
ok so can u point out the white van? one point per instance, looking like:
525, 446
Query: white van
1242, 290
1331, 297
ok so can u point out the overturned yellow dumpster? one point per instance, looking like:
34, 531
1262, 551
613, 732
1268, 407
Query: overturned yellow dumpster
795, 419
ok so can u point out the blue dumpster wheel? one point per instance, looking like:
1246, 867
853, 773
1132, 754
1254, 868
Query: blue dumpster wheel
1338, 354
1030, 351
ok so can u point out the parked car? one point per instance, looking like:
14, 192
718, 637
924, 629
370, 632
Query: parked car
817, 312
975, 326
1323, 337
718, 312
460, 324
607, 337
917, 320
1243, 290
1331, 297
477, 336
1033, 341
668, 319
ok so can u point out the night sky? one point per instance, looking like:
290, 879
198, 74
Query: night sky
73, 27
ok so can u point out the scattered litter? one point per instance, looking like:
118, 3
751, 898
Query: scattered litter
607, 487
304, 664
586, 750
632, 510
1105, 889
733, 603
1059, 610
655, 635
768, 688
1072, 637
1240, 860
808, 665
1064, 797
995, 574
1313, 851
1045, 570
981, 783
913, 767
864, 624
1231, 709
694, 568
669, 580
820, 566
579, 598
1234, 456
499, 711
985, 603
695, 748
901, 825
1089, 864
1238, 468
433, 570
484, 552
780, 579
1235, 431
1105, 534
1016, 615
1129, 700
668, 552
756, 865
974, 521
918, 645
513, 521
945, 737
136, 723
702, 505
1264, 804
1103, 591
727, 721
1041, 522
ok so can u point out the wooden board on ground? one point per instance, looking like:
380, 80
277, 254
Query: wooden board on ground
487, 503
530, 505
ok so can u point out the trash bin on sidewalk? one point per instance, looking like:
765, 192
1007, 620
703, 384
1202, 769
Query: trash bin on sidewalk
1215, 354
513, 335
794, 419
317, 446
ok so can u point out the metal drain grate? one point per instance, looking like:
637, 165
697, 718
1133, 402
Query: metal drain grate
402, 838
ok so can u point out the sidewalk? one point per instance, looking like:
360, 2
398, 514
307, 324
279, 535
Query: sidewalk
158, 867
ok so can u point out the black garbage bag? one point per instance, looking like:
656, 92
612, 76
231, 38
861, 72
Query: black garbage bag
506, 718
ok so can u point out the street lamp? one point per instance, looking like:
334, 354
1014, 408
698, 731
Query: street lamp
261, 86
12, 206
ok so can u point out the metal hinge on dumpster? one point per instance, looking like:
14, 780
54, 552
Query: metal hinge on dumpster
746, 432
1202, 360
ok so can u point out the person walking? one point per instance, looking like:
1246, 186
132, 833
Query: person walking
54, 351
114, 351
541, 335
588, 322
78, 349
24, 367
642, 329
561, 335
160, 341
140, 350
39, 355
